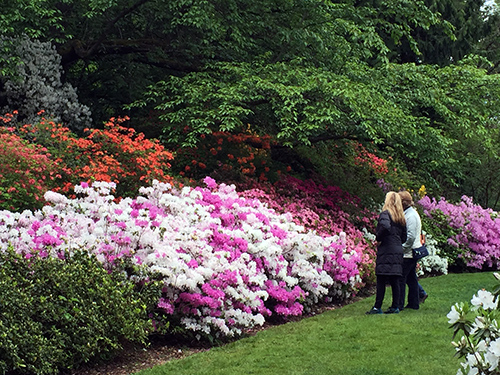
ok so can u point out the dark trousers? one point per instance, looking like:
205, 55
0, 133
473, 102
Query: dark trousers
409, 278
421, 291
382, 281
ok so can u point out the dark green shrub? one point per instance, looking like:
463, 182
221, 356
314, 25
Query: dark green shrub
57, 314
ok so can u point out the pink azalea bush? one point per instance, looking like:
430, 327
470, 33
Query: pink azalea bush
326, 209
466, 231
228, 262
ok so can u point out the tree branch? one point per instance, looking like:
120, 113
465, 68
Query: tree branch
321, 138
112, 24
76, 50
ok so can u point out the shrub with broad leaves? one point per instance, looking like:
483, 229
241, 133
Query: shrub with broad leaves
61, 312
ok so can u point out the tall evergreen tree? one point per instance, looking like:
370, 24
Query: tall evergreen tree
469, 24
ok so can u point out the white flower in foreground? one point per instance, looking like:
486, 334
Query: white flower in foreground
492, 355
472, 362
479, 323
494, 347
485, 299
453, 315
481, 346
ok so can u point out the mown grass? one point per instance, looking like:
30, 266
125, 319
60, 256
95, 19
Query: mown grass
348, 342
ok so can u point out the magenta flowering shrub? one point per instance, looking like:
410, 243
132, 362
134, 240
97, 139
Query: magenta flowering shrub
466, 231
326, 209
227, 262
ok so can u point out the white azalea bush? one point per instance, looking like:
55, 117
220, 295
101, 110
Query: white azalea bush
434, 263
478, 322
227, 263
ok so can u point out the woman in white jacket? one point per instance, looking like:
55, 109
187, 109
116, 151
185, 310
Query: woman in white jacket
414, 229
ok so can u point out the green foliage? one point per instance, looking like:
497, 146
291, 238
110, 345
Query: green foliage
422, 116
452, 110
337, 162
447, 42
175, 38
300, 71
58, 314
291, 101
482, 180
35, 18
488, 46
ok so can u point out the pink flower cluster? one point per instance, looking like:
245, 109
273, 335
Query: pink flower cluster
470, 228
326, 209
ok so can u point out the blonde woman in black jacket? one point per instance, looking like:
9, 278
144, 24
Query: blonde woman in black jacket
390, 235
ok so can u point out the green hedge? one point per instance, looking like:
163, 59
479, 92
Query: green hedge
57, 314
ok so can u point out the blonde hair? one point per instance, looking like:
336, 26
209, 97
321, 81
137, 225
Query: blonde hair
394, 206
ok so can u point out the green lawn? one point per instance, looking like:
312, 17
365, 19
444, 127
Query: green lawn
348, 342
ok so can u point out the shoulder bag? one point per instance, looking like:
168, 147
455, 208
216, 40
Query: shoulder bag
422, 251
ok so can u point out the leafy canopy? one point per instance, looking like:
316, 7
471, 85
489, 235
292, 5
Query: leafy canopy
301, 71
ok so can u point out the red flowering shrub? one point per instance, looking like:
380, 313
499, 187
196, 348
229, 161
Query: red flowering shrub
353, 167
229, 157
26, 172
115, 153
365, 158
47, 156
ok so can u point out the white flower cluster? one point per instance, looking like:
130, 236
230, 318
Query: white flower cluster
480, 345
370, 237
222, 257
38, 86
433, 264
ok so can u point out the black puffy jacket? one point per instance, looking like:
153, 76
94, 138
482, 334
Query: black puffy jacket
391, 236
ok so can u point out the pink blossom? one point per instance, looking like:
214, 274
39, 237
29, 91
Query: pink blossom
210, 182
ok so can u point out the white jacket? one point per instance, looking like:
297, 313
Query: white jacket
413, 229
